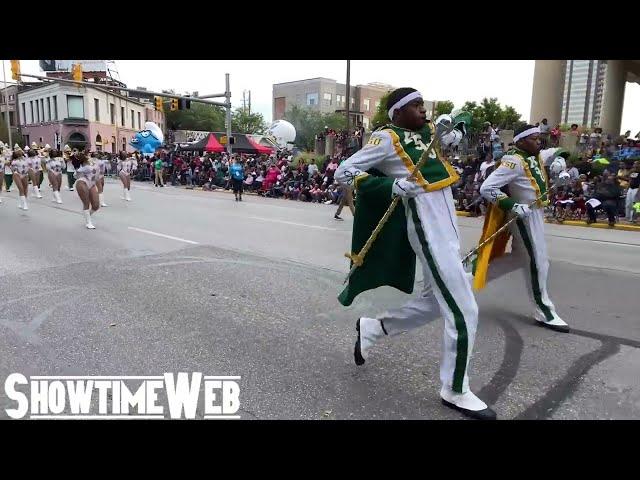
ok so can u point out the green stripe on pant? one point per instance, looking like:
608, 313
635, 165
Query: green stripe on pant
533, 269
462, 347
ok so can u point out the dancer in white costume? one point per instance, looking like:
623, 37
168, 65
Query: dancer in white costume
86, 175
126, 166
103, 167
55, 164
20, 169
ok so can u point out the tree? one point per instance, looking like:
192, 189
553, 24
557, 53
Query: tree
243, 122
16, 137
200, 116
309, 123
382, 115
444, 107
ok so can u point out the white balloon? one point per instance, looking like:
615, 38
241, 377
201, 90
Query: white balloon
283, 132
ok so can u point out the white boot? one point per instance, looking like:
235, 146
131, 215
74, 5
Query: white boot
24, 203
124, 194
20, 202
87, 217
0, 200
127, 195
370, 330
58, 197
37, 190
54, 199
102, 202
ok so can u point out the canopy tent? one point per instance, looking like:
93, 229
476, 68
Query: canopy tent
242, 144
208, 144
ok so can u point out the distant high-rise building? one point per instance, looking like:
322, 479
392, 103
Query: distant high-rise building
584, 85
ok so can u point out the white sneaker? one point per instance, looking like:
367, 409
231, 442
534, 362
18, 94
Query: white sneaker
102, 202
369, 331
557, 324
467, 403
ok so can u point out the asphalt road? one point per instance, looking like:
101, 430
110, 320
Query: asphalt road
181, 280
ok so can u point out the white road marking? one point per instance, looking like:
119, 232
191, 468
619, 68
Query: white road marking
164, 236
293, 223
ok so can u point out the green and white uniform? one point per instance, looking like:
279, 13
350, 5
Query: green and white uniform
526, 179
425, 227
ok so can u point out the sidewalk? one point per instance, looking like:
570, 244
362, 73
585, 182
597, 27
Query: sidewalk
580, 223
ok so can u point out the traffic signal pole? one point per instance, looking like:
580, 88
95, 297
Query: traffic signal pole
227, 95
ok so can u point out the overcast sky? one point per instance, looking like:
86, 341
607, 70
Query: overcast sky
457, 80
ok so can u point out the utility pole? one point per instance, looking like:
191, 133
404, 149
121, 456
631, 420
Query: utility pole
348, 90
249, 102
227, 95
6, 102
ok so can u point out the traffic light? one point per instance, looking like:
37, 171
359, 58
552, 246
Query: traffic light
185, 104
159, 104
15, 69
76, 70
174, 104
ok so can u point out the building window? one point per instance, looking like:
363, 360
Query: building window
12, 120
55, 107
75, 106
139, 127
366, 104
12, 97
133, 121
124, 143
352, 101
122, 115
112, 112
48, 109
312, 99
114, 144
96, 105
326, 99
24, 114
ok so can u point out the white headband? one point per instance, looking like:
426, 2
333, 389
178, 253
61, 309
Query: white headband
403, 101
526, 133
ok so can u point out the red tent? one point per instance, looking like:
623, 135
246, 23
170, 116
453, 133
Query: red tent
260, 148
213, 145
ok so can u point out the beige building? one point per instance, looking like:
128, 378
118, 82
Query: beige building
326, 95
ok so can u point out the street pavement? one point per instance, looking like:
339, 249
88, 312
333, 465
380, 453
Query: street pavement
188, 281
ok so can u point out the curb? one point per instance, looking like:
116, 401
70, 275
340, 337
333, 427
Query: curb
576, 223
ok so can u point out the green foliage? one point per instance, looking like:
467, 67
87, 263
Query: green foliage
308, 123
444, 107
489, 110
200, 116
382, 116
243, 122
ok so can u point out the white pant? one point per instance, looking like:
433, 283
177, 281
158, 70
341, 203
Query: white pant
528, 251
433, 234
630, 200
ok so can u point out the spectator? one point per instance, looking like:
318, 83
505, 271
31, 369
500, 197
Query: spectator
159, 168
573, 172
544, 133
607, 194
632, 193
555, 135
313, 168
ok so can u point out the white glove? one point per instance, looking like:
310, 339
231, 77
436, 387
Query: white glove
452, 138
405, 188
522, 210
